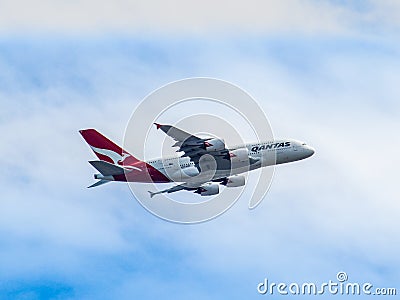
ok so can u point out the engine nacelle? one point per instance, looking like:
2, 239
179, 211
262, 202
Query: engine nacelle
235, 181
208, 189
214, 145
239, 155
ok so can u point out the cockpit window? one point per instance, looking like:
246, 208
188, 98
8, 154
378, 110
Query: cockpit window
304, 144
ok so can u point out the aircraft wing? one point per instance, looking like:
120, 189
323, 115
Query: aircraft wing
175, 188
194, 147
178, 134
202, 188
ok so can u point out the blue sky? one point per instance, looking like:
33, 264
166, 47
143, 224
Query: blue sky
332, 81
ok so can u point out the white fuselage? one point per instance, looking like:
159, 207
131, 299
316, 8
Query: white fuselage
249, 157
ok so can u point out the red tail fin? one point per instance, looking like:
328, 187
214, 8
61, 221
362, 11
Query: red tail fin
106, 150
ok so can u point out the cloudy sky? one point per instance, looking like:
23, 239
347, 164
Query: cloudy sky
324, 71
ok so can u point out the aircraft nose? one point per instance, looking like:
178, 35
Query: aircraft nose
310, 150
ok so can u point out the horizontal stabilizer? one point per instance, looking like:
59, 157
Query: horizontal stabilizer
100, 182
106, 168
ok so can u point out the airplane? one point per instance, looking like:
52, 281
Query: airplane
206, 162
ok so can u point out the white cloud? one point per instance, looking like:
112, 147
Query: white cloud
187, 17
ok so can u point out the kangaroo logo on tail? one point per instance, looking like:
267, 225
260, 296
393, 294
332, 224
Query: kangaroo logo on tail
107, 150
114, 156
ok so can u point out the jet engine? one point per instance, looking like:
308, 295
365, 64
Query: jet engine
214, 145
234, 181
208, 189
239, 155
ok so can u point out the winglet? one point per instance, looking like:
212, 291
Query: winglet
158, 125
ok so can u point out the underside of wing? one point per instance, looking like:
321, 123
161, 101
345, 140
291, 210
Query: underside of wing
175, 188
178, 134
204, 189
